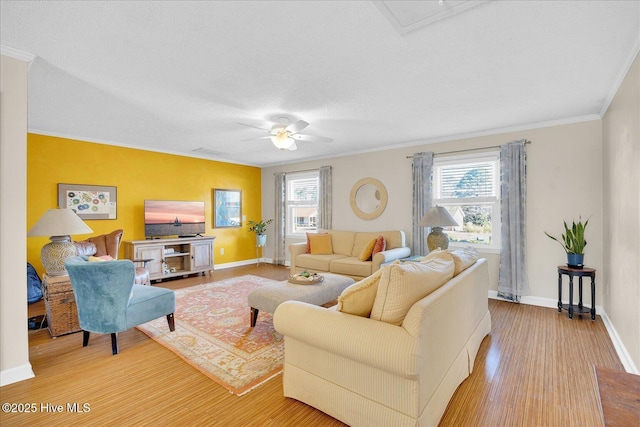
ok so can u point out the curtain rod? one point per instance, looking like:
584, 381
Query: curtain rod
300, 171
526, 141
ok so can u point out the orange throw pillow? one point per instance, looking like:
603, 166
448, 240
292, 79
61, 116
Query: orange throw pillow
381, 245
308, 251
321, 244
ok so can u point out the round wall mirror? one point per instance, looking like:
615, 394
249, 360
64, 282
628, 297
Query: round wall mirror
368, 198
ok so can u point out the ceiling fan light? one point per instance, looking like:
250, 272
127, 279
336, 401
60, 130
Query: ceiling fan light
282, 140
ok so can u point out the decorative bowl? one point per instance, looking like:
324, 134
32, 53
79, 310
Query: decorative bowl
313, 279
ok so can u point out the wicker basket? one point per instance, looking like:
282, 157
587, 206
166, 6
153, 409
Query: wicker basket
62, 314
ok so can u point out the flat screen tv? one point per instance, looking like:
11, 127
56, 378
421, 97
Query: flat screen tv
164, 218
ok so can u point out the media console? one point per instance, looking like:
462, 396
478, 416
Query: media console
173, 257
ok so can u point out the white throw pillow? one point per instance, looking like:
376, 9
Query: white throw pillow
401, 285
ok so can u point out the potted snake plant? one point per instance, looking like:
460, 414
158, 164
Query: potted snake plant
260, 228
573, 242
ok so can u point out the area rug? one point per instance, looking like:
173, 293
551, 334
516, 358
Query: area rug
213, 334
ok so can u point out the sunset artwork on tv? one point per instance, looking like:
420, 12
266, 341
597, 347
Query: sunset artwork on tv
164, 218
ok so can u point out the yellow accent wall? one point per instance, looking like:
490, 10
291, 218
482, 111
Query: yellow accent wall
138, 175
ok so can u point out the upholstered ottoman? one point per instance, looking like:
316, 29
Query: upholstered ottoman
268, 298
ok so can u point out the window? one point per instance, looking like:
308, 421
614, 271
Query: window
468, 186
302, 202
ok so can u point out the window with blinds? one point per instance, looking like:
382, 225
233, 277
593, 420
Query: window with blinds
468, 186
302, 202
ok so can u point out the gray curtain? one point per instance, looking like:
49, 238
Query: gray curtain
513, 282
279, 254
422, 199
325, 199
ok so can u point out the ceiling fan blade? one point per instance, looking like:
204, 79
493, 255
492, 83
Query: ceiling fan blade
252, 126
293, 147
297, 126
310, 138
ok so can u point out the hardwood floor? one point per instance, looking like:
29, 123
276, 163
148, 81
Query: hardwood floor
535, 369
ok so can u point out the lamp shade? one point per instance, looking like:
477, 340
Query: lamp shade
59, 224
437, 216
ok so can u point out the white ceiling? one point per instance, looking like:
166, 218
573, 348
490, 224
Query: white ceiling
174, 76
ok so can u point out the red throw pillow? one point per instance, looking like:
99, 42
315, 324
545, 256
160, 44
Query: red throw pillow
381, 245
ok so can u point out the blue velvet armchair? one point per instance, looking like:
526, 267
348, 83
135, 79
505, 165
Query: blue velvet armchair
109, 302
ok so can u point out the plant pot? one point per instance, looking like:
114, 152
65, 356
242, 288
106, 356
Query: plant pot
575, 260
261, 239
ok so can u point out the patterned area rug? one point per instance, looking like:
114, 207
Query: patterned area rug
213, 334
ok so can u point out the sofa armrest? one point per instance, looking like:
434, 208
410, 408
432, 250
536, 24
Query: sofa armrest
296, 249
357, 338
388, 256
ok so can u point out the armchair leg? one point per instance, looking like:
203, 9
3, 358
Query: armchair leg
171, 322
85, 338
114, 343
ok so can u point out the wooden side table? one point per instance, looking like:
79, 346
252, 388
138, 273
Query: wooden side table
580, 273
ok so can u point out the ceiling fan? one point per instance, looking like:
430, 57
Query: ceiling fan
285, 132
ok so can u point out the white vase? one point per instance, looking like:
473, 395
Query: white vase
261, 239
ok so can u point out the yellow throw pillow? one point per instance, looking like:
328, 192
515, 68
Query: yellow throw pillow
96, 259
358, 298
320, 244
365, 255
402, 285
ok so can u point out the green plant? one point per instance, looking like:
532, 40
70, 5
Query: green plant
573, 241
259, 227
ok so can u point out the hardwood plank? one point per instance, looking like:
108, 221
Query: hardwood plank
535, 369
619, 394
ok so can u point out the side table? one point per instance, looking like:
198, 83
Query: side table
60, 302
580, 273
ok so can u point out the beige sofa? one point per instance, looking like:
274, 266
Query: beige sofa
367, 372
347, 247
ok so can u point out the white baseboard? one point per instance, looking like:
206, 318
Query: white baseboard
13, 375
621, 350
623, 354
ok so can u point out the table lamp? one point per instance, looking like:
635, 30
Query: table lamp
59, 224
436, 218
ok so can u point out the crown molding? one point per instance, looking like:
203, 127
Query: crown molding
623, 73
16, 54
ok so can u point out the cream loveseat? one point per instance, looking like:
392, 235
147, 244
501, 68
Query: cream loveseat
401, 370
343, 255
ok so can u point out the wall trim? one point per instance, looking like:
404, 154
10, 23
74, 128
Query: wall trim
623, 73
621, 350
18, 373
16, 54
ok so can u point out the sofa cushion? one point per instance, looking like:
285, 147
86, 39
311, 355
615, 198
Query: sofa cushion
381, 245
321, 244
463, 258
366, 253
342, 242
315, 262
358, 298
401, 285
351, 266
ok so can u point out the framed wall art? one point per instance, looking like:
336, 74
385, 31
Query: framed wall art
89, 201
227, 208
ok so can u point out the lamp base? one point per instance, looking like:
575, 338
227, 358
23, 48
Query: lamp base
54, 253
437, 239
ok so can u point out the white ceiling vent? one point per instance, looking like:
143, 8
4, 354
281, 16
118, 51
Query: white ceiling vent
408, 15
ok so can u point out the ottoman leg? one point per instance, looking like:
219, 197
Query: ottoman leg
254, 316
